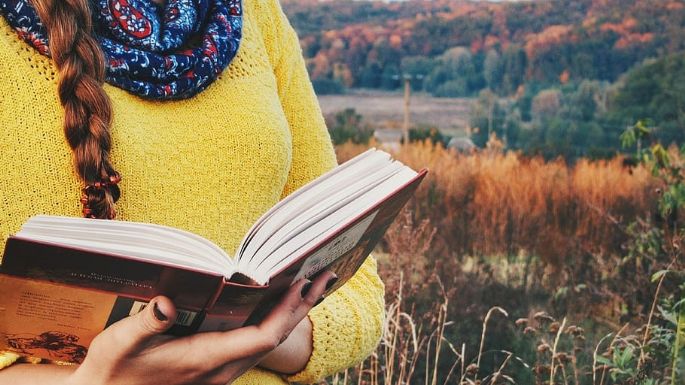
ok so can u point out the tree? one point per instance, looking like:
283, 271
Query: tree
654, 91
370, 76
514, 64
451, 76
493, 70
583, 104
346, 125
487, 117
546, 104
418, 67
391, 77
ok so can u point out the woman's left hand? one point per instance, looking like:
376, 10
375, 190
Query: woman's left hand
292, 355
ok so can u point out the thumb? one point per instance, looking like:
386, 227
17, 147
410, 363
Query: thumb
134, 331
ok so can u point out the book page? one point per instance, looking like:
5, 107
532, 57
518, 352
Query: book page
324, 208
335, 249
292, 207
145, 241
314, 235
303, 192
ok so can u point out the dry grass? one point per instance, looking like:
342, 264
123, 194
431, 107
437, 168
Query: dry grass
492, 203
547, 225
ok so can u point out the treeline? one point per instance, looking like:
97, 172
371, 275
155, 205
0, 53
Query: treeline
572, 120
586, 118
562, 78
457, 48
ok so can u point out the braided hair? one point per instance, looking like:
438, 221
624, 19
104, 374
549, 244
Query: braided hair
87, 108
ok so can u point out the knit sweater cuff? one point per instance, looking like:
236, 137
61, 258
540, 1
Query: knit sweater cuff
7, 359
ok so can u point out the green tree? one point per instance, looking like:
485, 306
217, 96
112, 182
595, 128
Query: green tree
493, 70
453, 74
346, 125
418, 67
514, 61
654, 91
487, 117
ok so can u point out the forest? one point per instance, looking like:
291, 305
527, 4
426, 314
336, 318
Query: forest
555, 78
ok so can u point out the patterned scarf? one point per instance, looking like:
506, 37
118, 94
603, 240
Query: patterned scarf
170, 52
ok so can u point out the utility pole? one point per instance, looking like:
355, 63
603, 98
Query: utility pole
407, 96
405, 126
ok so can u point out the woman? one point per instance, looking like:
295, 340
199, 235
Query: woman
207, 119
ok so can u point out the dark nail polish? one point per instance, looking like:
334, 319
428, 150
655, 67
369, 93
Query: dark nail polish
158, 313
331, 282
305, 288
318, 301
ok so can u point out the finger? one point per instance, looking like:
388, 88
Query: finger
134, 331
320, 285
291, 310
220, 348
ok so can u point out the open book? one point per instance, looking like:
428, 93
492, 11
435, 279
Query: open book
97, 272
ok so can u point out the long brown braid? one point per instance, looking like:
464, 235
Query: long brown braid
87, 108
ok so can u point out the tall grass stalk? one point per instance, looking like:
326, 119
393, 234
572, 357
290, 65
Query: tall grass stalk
678, 346
554, 352
482, 337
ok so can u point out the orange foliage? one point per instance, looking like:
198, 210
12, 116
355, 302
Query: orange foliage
395, 41
321, 65
491, 41
342, 73
632, 39
674, 5
493, 203
622, 28
550, 36
476, 45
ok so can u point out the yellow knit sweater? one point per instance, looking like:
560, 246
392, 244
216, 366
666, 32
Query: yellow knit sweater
211, 164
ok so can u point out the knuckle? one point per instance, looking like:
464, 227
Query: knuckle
100, 339
309, 301
149, 325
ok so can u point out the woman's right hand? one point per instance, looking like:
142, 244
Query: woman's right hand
133, 351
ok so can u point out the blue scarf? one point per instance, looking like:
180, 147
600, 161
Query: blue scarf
169, 53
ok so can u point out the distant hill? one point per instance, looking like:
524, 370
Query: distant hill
500, 45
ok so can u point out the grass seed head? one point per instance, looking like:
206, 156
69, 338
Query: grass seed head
522, 322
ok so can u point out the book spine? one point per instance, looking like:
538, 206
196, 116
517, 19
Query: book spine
127, 277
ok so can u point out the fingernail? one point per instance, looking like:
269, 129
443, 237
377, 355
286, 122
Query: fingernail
158, 313
331, 282
305, 288
318, 301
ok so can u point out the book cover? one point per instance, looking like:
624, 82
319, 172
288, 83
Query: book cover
78, 292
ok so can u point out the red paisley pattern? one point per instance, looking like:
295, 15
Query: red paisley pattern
130, 19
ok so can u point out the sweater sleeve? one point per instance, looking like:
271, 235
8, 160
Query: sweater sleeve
7, 359
347, 325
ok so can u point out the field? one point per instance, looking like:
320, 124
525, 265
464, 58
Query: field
386, 109
506, 269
